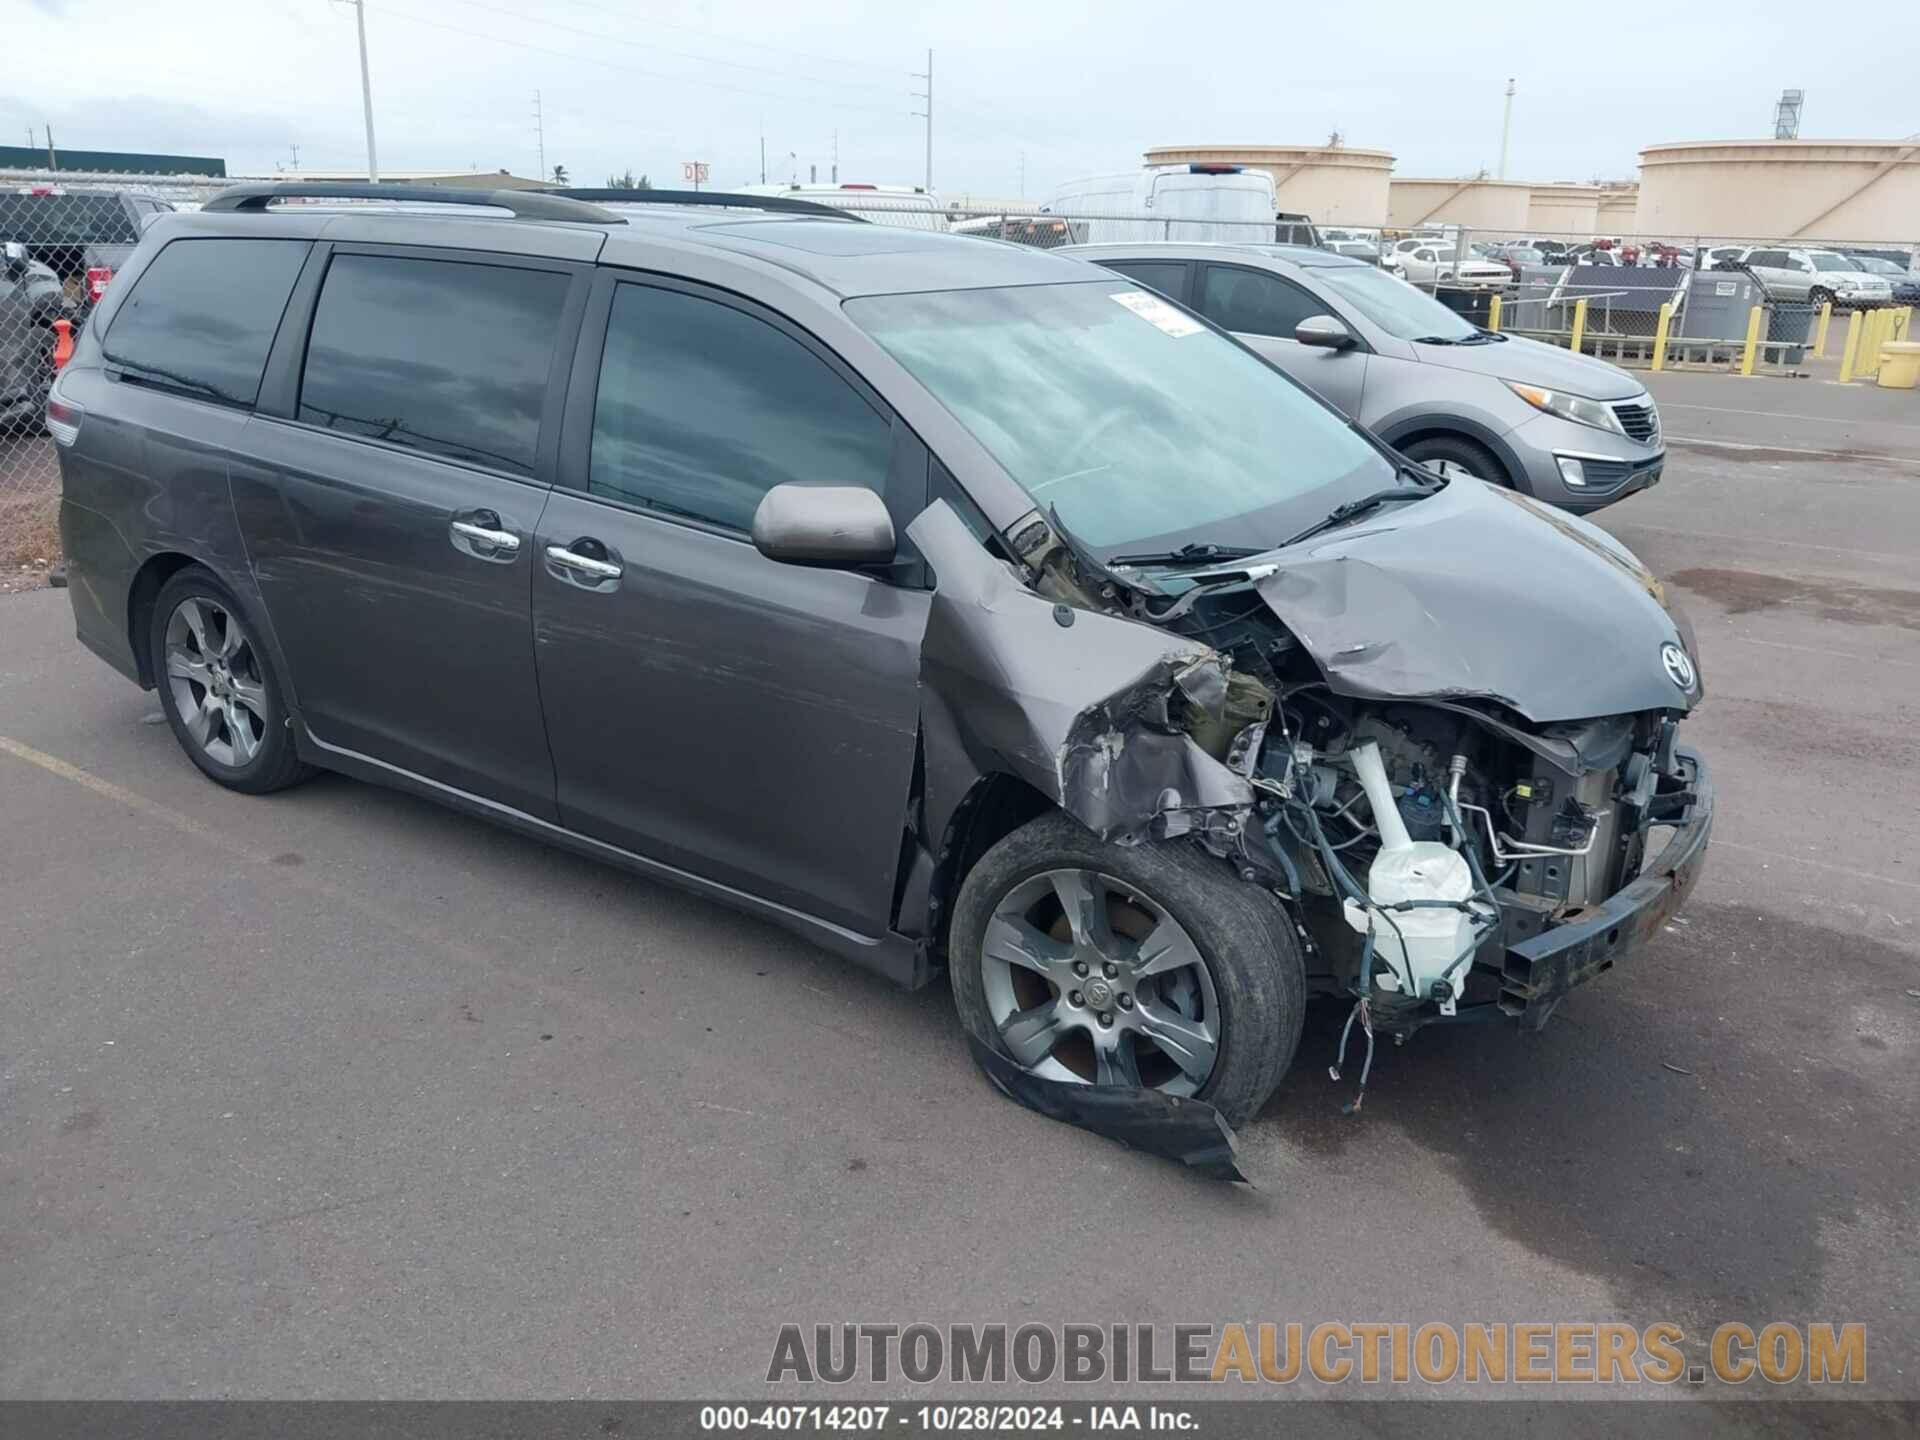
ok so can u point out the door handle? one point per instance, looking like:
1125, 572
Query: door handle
582, 564
502, 540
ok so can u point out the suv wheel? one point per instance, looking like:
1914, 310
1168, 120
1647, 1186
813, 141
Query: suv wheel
1455, 455
218, 688
1146, 965
1817, 297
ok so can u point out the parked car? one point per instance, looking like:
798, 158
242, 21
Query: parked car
1355, 250
1431, 264
1291, 229
1515, 256
31, 299
594, 528
1046, 232
83, 236
1568, 429
1902, 282
1815, 277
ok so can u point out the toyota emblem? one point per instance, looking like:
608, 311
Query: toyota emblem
1679, 668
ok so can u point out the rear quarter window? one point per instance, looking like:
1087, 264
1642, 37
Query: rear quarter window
202, 317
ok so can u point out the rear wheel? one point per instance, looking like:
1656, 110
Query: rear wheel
1455, 456
1150, 965
218, 687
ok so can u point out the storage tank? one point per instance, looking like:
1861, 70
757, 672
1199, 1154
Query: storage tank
1618, 210
1561, 210
1329, 184
1487, 207
1843, 190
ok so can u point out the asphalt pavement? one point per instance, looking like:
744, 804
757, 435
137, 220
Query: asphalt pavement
336, 1093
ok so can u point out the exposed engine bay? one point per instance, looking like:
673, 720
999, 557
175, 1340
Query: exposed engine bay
1423, 842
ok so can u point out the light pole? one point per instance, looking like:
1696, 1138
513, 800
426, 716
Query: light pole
366, 88
927, 114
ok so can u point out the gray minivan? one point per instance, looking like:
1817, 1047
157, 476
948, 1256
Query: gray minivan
903, 589
1573, 431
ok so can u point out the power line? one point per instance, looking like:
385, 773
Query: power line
733, 39
577, 57
661, 49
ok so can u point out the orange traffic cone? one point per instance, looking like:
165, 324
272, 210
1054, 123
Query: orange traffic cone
63, 345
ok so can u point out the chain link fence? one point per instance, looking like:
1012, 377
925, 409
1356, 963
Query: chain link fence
67, 234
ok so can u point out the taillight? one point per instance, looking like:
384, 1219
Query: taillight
98, 277
63, 420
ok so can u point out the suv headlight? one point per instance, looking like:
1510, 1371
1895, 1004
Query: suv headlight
1576, 408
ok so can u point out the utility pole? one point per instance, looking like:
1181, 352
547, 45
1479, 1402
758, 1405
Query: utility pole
540, 135
834, 174
53, 161
366, 88
1023, 174
294, 146
926, 114
763, 149
1506, 129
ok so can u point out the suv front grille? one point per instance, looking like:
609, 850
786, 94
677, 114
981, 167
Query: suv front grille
1641, 422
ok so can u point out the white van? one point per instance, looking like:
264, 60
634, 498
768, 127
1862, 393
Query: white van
1220, 203
904, 205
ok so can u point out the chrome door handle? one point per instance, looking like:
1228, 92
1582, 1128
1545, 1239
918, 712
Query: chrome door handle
583, 564
504, 540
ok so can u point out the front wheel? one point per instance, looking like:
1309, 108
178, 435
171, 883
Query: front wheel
1455, 456
1150, 965
1821, 297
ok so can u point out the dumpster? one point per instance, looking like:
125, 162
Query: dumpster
1470, 302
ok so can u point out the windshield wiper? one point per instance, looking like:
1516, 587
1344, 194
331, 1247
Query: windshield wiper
1436, 340
1340, 514
1195, 554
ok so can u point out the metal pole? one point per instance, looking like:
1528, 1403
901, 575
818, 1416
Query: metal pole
366, 93
1506, 129
539, 134
927, 114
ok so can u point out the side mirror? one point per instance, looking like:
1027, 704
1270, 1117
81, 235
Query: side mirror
15, 263
1324, 331
843, 526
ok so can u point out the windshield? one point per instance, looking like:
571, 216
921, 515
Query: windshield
1392, 304
1874, 265
1833, 262
1142, 426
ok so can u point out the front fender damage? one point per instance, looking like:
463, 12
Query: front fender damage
1105, 716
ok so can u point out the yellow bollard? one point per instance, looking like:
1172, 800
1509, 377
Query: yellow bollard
1850, 352
1493, 314
1660, 336
1579, 323
1820, 334
1753, 339
1867, 362
1902, 321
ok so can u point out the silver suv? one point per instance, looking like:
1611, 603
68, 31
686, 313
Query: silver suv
1573, 431
1819, 277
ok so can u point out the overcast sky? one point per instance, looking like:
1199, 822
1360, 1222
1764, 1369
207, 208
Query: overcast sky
648, 84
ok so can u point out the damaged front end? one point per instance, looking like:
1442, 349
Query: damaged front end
1447, 742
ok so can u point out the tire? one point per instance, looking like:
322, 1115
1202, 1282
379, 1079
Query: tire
218, 687
1818, 297
1249, 989
1458, 451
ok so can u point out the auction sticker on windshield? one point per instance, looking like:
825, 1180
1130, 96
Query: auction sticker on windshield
1158, 312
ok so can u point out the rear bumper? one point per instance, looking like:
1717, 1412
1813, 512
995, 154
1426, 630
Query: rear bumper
1537, 973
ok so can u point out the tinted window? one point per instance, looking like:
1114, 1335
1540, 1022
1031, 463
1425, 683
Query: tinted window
702, 409
434, 355
202, 316
1775, 258
1253, 302
1167, 278
66, 218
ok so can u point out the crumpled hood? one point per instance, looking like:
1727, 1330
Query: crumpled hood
1478, 592
1517, 358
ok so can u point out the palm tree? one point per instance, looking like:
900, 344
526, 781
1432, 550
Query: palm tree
559, 174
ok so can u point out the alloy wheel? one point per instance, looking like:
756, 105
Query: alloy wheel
215, 678
1089, 980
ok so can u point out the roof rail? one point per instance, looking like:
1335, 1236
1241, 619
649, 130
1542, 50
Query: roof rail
522, 204
724, 199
